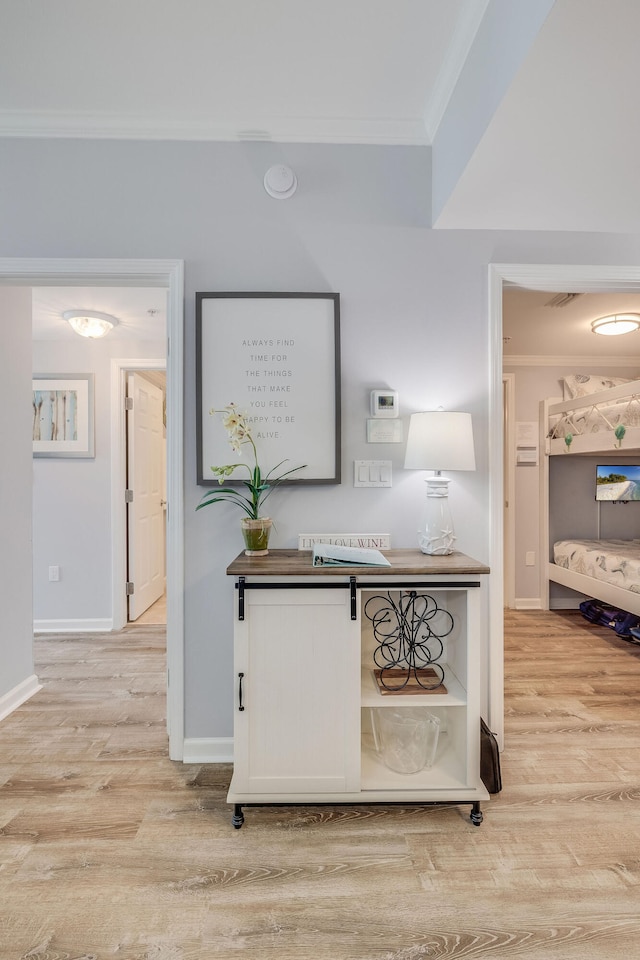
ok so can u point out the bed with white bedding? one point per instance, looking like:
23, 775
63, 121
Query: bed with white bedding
613, 561
598, 415
599, 567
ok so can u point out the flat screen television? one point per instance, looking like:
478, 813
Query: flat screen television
617, 483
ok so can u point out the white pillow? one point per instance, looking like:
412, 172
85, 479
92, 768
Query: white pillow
582, 384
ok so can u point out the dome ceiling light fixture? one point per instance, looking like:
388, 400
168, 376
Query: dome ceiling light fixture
90, 323
616, 324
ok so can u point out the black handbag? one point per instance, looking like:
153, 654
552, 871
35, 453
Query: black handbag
489, 760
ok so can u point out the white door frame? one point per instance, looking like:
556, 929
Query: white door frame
509, 499
532, 276
143, 273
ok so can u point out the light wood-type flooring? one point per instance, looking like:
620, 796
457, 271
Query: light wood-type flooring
110, 850
156, 613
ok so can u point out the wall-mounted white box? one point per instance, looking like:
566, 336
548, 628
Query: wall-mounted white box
385, 431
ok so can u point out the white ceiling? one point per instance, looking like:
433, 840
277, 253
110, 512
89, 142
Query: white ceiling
141, 311
363, 70
533, 328
560, 151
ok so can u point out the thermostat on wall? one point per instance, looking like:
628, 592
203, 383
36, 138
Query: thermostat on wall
384, 403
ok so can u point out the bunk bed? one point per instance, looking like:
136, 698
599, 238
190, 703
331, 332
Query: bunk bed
600, 417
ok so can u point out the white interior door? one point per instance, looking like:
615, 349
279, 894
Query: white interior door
145, 510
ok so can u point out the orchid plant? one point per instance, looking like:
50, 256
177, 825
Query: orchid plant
259, 485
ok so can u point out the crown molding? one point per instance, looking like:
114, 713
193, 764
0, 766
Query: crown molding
55, 272
355, 130
539, 361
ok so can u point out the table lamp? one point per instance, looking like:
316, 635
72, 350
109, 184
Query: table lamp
439, 440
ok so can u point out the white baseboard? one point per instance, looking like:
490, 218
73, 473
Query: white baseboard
528, 603
19, 695
98, 625
208, 750
534, 603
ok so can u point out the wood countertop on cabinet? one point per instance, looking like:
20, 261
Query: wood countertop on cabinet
404, 562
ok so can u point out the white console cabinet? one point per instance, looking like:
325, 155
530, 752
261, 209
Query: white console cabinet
306, 644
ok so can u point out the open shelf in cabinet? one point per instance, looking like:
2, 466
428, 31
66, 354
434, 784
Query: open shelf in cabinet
388, 636
449, 769
387, 619
371, 696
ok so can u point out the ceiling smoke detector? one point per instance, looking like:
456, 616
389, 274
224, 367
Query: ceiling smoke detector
280, 182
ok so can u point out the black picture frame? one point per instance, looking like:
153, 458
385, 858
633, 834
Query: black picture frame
277, 357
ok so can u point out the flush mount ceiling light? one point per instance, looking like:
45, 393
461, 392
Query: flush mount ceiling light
90, 323
280, 182
616, 324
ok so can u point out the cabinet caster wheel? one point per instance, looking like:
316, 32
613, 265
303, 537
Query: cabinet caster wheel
238, 817
476, 815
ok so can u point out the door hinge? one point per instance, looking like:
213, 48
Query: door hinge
129, 586
128, 403
128, 496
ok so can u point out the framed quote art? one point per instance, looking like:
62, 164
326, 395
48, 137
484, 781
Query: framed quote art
276, 356
63, 415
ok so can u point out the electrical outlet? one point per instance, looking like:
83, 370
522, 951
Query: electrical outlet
530, 559
54, 573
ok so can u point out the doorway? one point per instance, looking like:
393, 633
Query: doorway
137, 273
545, 277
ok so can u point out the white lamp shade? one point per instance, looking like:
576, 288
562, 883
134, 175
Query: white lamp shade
440, 440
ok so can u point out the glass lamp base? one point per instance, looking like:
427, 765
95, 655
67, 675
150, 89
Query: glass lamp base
436, 535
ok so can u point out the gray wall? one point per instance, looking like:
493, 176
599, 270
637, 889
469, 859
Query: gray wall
16, 657
72, 498
414, 316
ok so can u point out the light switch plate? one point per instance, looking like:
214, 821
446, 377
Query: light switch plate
372, 473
